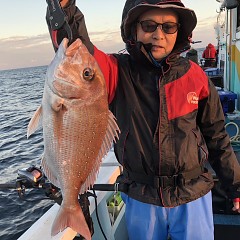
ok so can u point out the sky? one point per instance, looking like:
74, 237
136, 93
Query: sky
25, 41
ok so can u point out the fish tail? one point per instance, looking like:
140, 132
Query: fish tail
74, 219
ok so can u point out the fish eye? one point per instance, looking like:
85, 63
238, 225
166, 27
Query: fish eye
88, 74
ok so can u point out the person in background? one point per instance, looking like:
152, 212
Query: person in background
192, 55
209, 55
171, 122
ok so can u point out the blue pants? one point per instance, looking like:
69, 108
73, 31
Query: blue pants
191, 221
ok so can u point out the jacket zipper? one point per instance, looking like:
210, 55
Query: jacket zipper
124, 144
160, 102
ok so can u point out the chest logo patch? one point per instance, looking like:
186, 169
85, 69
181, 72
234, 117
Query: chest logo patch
192, 98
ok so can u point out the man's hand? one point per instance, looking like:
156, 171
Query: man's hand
236, 205
64, 3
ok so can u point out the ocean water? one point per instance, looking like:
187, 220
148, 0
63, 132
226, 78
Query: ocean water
20, 95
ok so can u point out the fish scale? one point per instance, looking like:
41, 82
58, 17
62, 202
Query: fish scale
78, 129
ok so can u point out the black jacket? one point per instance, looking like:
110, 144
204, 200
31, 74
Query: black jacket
172, 124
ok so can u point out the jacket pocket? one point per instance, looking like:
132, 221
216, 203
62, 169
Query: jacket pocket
202, 147
121, 146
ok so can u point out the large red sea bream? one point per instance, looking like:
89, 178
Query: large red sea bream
78, 129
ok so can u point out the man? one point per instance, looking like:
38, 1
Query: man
171, 122
192, 55
209, 55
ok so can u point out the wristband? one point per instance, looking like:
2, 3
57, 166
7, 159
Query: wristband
236, 200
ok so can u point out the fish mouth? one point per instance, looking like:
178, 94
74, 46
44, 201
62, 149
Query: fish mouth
68, 50
63, 46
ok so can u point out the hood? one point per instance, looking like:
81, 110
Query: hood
134, 8
210, 45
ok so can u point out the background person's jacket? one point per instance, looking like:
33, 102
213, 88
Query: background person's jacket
171, 123
210, 52
192, 55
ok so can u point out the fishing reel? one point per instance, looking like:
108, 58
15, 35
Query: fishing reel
33, 174
33, 177
28, 178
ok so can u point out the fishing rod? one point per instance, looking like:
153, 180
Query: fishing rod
22, 184
33, 177
194, 42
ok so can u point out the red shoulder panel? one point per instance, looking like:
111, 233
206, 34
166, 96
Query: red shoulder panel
108, 65
183, 94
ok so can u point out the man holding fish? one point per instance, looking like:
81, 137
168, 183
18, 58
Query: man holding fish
170, 117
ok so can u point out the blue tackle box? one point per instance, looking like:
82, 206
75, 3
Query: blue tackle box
227, 99
212, 71
216, 76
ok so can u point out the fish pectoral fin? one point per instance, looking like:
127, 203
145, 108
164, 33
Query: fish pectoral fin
35, 122
57, 103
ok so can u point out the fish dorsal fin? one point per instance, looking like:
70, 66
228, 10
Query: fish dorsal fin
110, 137
35, 122
49, 174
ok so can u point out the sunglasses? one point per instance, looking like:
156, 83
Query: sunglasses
150, 26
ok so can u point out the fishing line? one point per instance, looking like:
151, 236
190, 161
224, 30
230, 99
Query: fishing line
35, 200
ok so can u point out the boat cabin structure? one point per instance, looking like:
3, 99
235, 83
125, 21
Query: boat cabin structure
228, 37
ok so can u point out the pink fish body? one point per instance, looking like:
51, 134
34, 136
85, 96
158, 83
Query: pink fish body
78, 129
